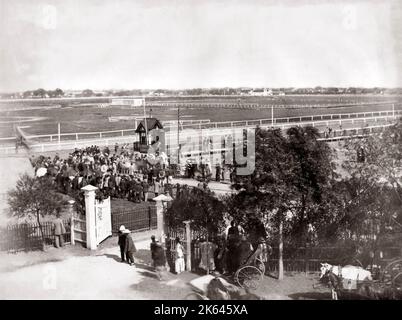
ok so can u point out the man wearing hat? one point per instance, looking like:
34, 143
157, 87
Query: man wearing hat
122, 242
129, 247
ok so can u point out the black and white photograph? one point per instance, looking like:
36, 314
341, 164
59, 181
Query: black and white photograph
201, 150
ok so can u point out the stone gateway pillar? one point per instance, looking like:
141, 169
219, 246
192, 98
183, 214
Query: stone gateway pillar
188, 245
90, 215
161, 202
160, 235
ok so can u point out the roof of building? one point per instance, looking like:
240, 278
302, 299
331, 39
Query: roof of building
152, 123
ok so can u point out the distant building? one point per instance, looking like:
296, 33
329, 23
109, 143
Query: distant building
261, 92
139, 102
143, 131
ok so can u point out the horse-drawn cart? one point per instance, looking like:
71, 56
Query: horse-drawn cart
354, 282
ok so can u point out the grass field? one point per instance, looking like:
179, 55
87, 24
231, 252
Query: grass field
86, 118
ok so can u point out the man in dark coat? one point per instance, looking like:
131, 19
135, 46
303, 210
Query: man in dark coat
153, 249
122, 243
145, 188
59, 230
159, 260
232, 241
218, 173
129, 248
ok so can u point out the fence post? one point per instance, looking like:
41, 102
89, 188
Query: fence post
306, 261
72, 231
149, 218
188, 245
71, 212
160, 222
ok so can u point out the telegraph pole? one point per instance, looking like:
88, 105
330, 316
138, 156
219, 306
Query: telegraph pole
58, 133
145, 123
178, 134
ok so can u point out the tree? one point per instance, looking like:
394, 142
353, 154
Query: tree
372, 189
286, 194
27, 94
58, 92
39, 93
35, 198
87, 93
203, 208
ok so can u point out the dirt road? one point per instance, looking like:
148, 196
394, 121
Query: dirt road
73, 272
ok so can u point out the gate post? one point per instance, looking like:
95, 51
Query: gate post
160, 222
161, 201
188, 245
90, 215
71, 211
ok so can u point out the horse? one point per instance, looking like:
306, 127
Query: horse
339, 277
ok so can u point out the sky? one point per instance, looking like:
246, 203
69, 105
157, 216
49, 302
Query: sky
127, 44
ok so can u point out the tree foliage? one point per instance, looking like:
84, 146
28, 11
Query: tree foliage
201, 207
372, 189
34, 198
290, 184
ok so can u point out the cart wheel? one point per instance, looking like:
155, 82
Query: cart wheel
391, 271
397, 281
248, 277
195, 296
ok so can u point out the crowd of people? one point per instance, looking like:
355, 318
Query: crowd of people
117, 173
222, 255
226, 253
120, 172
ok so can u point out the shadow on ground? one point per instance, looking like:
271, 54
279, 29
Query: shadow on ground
115, 257
310, 296
13, 268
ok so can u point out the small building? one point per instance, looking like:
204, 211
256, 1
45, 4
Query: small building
130, 102
144, 133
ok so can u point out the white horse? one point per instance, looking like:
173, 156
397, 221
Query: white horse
349, 273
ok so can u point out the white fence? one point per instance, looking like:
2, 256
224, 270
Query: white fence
324, 119
77, 136
51, 142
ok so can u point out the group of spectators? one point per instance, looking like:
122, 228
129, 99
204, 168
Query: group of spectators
223, 254
117, 173
204, 172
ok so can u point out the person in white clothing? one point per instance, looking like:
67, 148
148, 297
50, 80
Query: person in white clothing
179, 262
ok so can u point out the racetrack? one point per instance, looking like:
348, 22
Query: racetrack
89, 118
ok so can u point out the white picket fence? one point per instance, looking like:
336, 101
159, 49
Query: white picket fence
65, 141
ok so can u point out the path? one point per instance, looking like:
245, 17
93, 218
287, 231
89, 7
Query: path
217, 187
76, 273
73, 272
